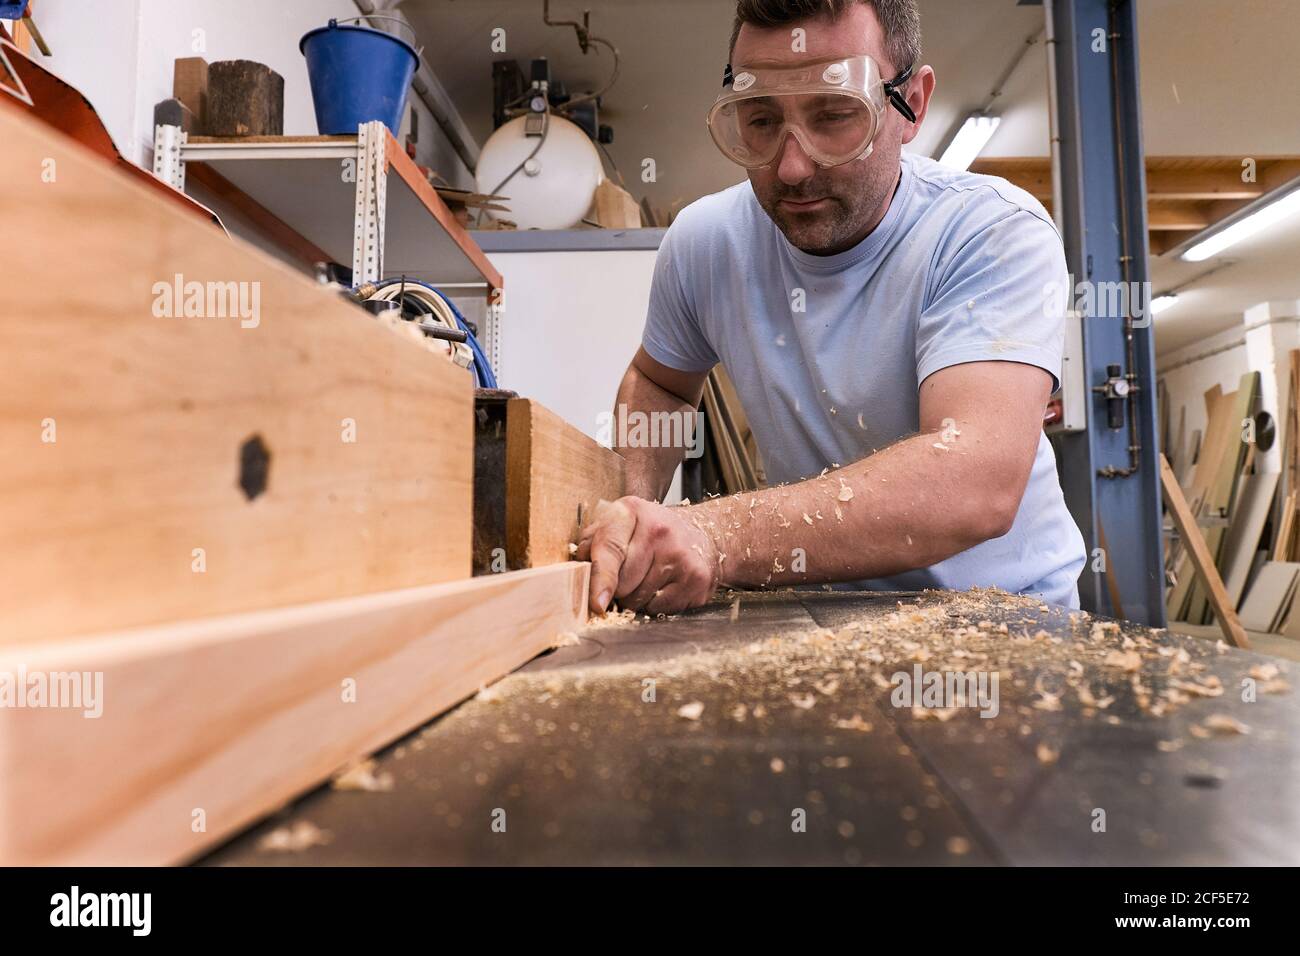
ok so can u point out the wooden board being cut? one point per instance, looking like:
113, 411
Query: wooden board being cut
209, 725
552, 472
161, 468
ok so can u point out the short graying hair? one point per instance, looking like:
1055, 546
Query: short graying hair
900, 19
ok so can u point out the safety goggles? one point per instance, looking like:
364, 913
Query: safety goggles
831, 107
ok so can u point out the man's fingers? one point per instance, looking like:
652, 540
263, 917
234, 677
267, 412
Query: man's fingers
655, 581
609, 545
686, 590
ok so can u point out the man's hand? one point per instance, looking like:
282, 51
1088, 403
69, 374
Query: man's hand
650, 557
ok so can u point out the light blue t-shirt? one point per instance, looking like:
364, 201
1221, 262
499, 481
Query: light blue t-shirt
957, 271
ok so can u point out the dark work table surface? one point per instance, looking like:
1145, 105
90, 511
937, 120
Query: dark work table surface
710, 737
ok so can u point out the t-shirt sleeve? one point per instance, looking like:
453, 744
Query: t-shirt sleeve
1001, 298
672, 335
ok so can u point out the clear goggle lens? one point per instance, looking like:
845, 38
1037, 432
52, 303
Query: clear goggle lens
830, 128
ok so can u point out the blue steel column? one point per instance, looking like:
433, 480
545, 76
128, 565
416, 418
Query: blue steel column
1104, 217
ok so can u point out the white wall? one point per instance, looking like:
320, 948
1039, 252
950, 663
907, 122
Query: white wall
1186, 382
571, 324
1267, 333
120, 55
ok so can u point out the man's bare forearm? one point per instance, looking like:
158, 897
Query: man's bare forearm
650, 465
908, 506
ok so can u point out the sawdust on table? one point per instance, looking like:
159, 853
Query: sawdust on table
817, 676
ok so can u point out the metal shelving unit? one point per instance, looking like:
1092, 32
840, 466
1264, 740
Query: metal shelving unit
357, 199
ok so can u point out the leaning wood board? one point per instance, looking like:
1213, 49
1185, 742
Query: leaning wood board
1217, 438
216, 723
553, 472
1223, 489
135, 514
1199, 557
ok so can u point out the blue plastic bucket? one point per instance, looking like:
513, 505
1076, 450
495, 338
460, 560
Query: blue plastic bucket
357, 75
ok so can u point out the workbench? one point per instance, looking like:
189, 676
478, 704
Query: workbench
779, 709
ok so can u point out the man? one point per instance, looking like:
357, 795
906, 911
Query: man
893, 327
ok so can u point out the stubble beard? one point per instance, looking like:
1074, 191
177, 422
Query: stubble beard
855, 201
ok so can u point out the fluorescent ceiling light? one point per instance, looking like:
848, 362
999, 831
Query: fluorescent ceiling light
1261, 219
1162, 302
970, 140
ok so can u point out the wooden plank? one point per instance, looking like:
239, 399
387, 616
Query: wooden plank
1200, 558
1286, 528
1266, 600
1242, 541
1217, 434
207, 726
1223, 486
150, 417
190, 86
553, 471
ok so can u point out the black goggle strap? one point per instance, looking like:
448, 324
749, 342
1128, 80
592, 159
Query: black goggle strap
892, 90
896, 98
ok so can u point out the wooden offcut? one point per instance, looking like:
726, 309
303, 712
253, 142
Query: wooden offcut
190, 86
1199, 557
132, 432
554, 476
244, 99
614, 207
205, 727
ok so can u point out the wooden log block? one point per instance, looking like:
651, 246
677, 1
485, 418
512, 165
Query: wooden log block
190, 86
244, 99
554, 476
128, 491
205, 727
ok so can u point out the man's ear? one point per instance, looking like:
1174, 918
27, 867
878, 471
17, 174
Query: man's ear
918, 95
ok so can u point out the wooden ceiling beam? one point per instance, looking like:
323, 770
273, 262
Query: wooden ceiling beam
1185, 194
1177, 216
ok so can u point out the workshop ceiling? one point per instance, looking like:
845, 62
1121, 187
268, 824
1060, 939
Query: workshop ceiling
1212, 84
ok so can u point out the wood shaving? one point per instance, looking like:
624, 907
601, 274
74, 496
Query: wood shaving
854, 723
804, 702
1265, 672
941, 714
692, 710
1127, 661
1225, 724
827, 687
303, 835
1047, 754
777, 765
362, 776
